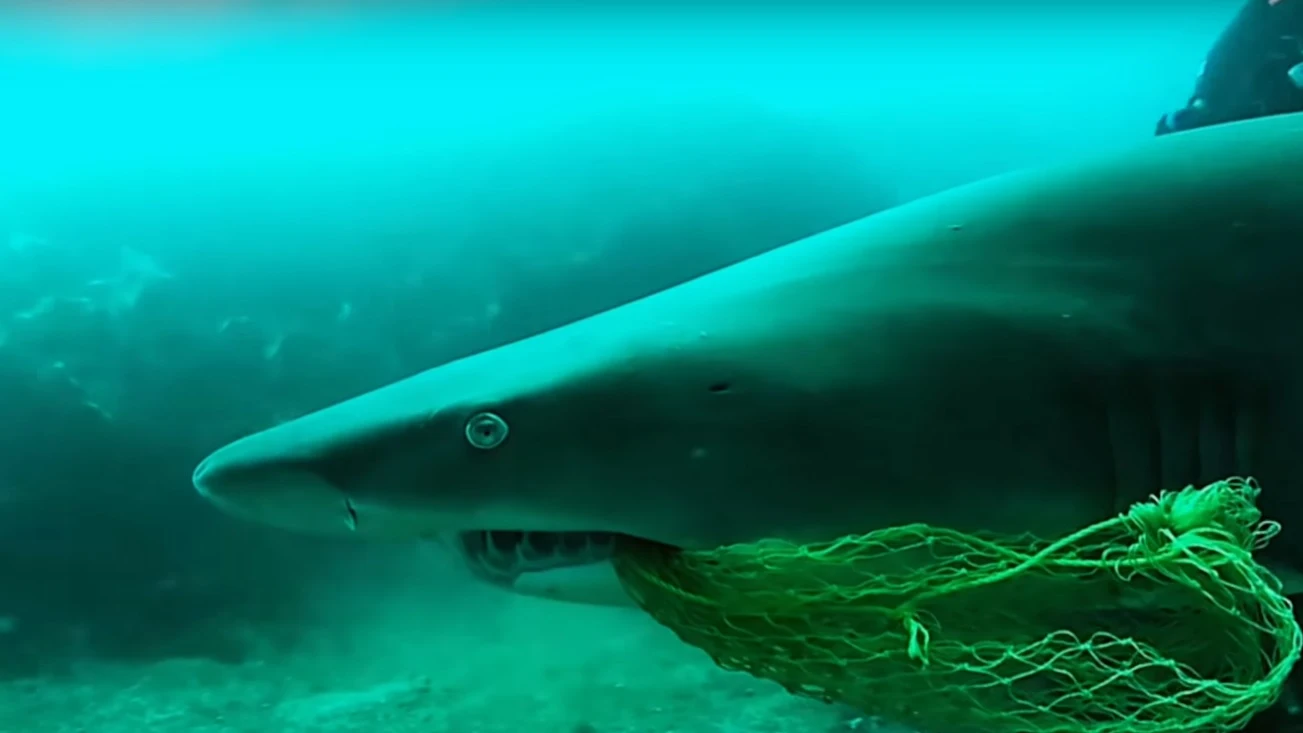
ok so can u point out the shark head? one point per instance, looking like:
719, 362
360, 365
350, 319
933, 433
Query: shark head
503, 440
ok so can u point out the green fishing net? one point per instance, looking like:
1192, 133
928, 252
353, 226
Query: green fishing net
1157, 620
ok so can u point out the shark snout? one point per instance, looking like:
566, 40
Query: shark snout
229, 474
247, 481
205, 478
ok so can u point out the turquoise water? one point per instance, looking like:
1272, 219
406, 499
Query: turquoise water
217, 220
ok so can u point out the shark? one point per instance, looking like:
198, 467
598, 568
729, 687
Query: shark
1032, 352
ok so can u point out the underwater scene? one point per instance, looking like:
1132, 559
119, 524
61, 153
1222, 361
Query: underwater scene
485, 367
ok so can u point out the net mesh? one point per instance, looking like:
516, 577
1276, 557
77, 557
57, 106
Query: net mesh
1156, 620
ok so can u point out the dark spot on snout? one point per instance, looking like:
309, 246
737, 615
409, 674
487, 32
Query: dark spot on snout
719, 387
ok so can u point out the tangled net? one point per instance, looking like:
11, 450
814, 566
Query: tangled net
1156, 620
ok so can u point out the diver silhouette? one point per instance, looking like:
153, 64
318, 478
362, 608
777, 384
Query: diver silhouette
1254, 69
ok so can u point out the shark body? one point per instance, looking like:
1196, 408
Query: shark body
1029, 353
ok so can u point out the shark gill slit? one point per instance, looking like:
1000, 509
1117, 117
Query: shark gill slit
1168, 433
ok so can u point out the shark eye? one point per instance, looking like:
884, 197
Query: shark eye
486, 430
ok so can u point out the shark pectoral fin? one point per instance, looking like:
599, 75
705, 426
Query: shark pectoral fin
595, 584
1291, 578
572, 567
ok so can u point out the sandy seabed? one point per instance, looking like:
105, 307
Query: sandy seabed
474, 661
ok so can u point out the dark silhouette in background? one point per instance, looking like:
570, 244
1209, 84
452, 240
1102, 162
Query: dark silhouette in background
1255, 69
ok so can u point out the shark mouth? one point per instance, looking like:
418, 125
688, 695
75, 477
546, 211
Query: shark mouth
502, 556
